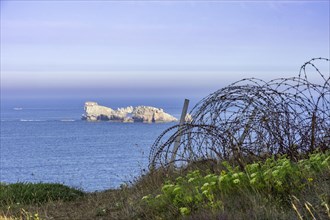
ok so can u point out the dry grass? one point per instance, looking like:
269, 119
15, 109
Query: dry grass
126, 203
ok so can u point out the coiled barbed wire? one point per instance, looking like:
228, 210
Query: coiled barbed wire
253, 118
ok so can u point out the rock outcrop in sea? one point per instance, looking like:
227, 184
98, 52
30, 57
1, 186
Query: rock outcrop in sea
147, 114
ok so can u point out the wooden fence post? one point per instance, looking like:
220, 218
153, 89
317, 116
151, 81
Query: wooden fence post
178, 138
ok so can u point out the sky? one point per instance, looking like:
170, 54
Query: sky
154, 48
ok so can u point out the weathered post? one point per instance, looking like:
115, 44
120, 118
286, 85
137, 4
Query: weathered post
178, 138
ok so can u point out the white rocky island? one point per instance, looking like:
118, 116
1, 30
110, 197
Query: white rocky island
147, 114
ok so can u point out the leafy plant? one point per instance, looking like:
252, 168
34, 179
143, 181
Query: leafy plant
277, 178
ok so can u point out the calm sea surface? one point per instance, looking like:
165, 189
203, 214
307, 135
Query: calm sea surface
47, 142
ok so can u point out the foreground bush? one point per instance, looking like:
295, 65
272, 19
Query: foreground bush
274, 182
36, 193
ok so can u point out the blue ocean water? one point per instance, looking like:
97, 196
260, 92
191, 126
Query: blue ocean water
47, 142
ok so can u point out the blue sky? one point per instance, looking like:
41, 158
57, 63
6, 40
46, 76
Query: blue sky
154, 48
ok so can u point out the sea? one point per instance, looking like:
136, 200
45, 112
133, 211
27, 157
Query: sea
45, 140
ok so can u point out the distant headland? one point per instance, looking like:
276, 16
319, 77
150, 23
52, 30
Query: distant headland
146, 114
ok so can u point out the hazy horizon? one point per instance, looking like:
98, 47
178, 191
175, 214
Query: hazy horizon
184, 49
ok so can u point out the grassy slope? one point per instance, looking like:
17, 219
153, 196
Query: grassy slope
65, 203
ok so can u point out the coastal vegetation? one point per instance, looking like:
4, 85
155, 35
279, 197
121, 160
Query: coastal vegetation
270, 189
276, 183
36, 193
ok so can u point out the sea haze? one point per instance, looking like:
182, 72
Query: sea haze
46, 141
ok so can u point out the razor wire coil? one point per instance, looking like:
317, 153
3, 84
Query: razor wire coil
253, 118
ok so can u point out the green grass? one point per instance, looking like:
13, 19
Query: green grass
36, 193
271, 189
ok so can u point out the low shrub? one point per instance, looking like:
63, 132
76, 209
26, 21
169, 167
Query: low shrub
36, 193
